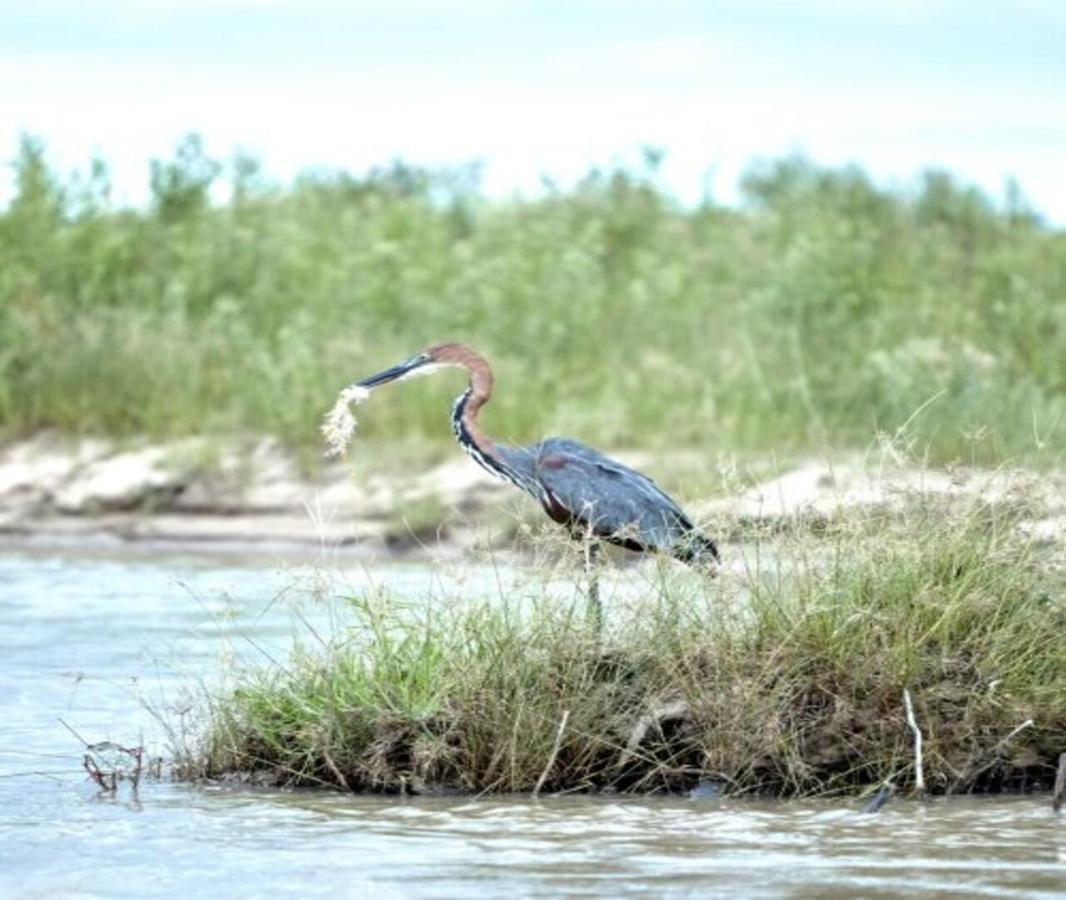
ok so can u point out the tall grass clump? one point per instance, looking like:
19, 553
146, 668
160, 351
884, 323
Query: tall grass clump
822, 310
786, 680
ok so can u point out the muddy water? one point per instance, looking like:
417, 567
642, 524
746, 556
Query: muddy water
98, 642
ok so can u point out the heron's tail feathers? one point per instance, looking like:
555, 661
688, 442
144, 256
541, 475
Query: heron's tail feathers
698, 550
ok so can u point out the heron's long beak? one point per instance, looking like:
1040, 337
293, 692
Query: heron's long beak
395, 372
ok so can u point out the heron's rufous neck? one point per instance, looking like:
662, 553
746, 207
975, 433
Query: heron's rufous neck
480, 394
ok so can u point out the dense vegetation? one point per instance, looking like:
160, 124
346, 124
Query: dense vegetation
787, 679
822, 311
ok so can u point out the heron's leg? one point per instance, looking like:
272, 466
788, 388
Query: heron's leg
592, 555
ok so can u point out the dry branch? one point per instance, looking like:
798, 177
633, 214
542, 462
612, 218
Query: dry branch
554, 753
919, 775
337, 773
664, 712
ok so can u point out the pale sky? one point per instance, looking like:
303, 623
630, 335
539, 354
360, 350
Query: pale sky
547, 88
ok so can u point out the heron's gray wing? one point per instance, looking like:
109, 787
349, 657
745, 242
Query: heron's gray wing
613, 499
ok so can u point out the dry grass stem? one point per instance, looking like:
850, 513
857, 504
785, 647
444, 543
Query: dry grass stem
340, 423
550, 764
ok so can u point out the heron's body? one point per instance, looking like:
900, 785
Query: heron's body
589, 493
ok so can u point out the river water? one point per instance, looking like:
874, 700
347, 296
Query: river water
92, 645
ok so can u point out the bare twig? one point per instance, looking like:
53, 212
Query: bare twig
108, 781
82, 740
919, 775
555, 752
38, 773
989, 759
664, 712
1026, 724
337, 773
1060, 785
108, 778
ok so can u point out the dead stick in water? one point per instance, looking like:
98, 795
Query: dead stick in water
108, 781
881, 797
1060, 785
919, 775
138, 755
554, 753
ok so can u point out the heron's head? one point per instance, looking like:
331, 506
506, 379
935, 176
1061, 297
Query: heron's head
429, 360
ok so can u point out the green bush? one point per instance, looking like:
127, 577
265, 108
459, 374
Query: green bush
823, 310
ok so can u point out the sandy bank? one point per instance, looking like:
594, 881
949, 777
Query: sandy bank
254, 494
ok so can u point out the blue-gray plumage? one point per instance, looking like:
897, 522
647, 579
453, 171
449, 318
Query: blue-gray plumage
591, 494
597, 496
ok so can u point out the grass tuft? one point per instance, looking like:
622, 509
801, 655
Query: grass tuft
786, 679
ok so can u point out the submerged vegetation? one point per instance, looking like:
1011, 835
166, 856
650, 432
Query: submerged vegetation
823, 310
787, 679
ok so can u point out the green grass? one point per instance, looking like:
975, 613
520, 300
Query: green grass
786, 679
822, 311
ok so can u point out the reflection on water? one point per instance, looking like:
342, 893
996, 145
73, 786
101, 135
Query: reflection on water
85, 640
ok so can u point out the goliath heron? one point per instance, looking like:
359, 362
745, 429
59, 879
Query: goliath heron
592, 495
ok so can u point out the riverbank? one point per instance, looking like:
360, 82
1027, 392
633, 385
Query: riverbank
789, 675
251, 494
255, 494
